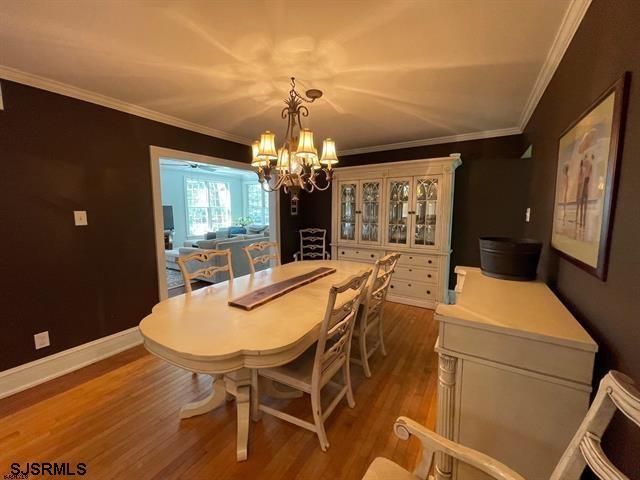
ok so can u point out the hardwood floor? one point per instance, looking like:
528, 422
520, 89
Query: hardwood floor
120, 417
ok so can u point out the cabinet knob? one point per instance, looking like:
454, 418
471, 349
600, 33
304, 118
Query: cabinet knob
372, 255
391, 286
429, 261
408, 284
411, 270
342, 253
428, 275
428, 292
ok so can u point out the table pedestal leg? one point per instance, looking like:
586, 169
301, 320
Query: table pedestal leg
236, 385
213, 401
239, 384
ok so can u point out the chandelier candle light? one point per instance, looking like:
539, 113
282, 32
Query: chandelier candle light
295, 165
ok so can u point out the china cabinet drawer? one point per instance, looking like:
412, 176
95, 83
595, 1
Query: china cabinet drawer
404, 272
408, 288
351, 253
429, 261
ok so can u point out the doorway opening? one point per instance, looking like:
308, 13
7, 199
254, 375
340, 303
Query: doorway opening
206, 203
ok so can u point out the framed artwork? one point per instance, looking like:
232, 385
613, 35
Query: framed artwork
589, 154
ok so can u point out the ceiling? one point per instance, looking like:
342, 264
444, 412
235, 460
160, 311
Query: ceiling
392, 72
187, 167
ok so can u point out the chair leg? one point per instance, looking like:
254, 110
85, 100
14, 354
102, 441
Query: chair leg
363, 352
346, 377
317, 419
381, 334
255, 396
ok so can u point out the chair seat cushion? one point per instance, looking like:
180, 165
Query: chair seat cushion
384, 469
300, 370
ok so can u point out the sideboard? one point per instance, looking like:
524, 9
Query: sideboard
515, 371
401, 207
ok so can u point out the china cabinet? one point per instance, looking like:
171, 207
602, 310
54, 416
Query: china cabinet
399, 206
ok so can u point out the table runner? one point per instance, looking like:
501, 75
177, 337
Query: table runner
263, 295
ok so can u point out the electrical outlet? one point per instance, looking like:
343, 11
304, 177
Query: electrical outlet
41, 340
80, 218
527, 215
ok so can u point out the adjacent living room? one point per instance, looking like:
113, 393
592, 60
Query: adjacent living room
210, 207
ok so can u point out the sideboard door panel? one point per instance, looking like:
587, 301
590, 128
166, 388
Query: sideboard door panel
525, 421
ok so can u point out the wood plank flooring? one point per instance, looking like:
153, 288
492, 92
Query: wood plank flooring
120, 417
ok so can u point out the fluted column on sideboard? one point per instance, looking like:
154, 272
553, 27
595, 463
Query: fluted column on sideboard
446, 399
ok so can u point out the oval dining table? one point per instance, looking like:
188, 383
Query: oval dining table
202, 333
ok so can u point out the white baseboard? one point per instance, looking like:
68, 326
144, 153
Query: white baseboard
39, 371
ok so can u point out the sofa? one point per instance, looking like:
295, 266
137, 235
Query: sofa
239, 261
232, 232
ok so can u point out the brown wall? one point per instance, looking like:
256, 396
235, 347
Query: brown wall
79, 283
491, 172
605, 46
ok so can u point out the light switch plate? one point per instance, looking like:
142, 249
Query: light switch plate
80, 218
41, 340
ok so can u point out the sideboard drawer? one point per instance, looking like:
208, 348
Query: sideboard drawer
410, 272
535, 356
428, 261
358, 254
404, 288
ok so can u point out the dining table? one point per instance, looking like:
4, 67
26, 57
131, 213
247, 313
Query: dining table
203, 333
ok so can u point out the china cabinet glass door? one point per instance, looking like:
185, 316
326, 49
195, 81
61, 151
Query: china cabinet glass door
426, 211
348, 192
398, 211
371, 195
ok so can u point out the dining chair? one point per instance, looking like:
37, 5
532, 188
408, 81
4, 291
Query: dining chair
616, 392
316, 367
371, 312
208, 270
312, 245
265, 258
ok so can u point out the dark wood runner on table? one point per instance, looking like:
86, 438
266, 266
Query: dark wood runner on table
266, 294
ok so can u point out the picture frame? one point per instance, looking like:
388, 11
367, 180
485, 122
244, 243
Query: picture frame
589, 156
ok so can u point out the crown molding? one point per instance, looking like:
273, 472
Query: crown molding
570, 22
501, 132
54, 86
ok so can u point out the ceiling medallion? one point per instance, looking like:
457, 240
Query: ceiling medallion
295, 165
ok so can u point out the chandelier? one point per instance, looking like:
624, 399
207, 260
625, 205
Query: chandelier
295, 165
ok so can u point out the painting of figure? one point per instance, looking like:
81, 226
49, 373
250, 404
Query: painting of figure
585, 182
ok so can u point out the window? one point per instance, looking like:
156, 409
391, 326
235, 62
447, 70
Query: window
208, 206
256, 204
